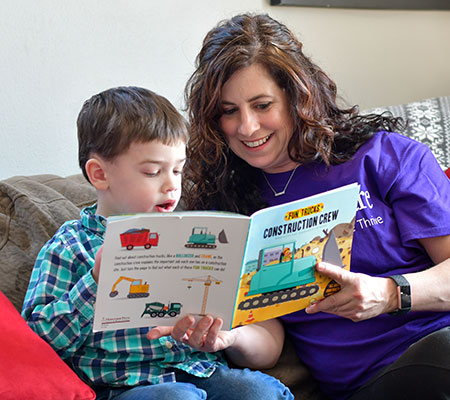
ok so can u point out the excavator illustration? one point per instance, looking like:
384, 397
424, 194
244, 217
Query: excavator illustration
280, 277
137, 288
201, 239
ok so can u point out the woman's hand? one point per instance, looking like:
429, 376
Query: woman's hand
361, 296
206, 335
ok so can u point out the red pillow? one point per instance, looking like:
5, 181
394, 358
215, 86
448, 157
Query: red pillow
29, 367
448, 172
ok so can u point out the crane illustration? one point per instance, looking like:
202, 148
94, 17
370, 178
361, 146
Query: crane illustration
208, 280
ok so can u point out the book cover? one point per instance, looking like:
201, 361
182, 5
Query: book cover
157, 267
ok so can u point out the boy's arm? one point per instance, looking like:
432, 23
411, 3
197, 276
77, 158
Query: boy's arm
256, 346
58, 305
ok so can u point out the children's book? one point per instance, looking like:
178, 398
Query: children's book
157, 267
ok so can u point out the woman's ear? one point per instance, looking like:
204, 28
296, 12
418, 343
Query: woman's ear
95, 170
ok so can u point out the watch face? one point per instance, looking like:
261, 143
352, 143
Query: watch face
404, 294
405, 298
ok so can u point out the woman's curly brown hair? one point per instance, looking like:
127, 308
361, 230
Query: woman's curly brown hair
215, 177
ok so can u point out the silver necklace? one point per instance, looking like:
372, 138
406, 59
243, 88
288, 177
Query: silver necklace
275, 193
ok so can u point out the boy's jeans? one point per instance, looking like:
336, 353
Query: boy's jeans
224, 384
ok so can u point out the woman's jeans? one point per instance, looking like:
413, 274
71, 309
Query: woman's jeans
421, 372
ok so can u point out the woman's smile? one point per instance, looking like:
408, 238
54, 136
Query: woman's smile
257, 143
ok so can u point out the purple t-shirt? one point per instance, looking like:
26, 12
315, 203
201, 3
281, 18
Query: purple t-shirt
404, 196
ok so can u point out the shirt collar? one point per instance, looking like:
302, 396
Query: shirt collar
93, 221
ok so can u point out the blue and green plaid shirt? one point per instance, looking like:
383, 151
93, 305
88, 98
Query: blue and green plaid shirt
59, 306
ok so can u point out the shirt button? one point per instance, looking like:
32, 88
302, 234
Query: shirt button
169, 345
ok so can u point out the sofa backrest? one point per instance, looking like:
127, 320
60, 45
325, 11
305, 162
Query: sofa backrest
32, 208
428, 122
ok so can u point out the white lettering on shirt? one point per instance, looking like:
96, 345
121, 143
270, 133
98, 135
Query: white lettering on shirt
367, 222
364, 202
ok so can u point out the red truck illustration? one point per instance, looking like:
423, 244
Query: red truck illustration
139, 237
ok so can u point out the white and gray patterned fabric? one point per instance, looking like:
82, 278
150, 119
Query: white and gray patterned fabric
428, 122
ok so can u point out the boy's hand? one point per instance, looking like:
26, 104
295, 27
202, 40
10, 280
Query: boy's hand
98, 260
204, 336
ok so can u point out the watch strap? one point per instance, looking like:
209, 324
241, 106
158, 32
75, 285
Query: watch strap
404, 294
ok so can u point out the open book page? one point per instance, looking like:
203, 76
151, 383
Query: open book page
285, 243
157, 267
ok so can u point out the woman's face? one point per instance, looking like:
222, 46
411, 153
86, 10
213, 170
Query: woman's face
255, 119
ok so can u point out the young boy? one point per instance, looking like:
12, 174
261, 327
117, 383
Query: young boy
132, 150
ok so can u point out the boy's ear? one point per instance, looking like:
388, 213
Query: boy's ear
95, 171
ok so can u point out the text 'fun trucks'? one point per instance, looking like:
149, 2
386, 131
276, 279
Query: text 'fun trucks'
139, 237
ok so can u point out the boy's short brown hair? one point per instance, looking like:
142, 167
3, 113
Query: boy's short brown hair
109, 122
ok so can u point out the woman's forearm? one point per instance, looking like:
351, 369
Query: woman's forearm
258, 345
430, 289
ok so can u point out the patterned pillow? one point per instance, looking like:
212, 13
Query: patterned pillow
428, 122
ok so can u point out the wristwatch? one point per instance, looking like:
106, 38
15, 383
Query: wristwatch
404, 294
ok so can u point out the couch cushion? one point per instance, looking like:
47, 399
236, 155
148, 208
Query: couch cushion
294, 374
32, 208
29, 367
428, 122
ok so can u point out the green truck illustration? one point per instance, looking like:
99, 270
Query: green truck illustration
281, 277
200, 238
157, 309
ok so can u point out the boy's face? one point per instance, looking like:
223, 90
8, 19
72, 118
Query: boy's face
145, 178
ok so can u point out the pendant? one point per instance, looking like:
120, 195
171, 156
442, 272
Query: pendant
275, 193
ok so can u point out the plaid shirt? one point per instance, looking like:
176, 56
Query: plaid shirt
59, 306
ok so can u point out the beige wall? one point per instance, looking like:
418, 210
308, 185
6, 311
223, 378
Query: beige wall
56, 54
377, 57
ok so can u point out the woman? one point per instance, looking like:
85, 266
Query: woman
266, 129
